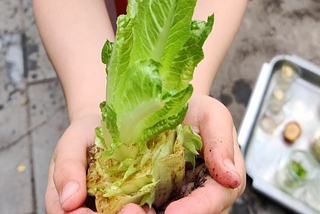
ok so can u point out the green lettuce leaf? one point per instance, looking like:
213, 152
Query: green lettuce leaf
190, 141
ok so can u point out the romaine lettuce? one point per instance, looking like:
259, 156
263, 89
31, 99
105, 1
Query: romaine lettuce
140, 148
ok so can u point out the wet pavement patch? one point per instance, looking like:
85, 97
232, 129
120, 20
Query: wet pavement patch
241, 91
226, 99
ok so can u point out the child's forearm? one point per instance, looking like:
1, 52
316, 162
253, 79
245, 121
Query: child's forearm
73, 33
228, 16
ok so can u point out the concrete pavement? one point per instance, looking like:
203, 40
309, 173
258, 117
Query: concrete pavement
33, 113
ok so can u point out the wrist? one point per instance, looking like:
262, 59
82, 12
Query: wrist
201, 85
84, 98
84, 112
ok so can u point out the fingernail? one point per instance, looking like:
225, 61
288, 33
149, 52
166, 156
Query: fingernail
69, 190
149, 211
228, 163
195, 129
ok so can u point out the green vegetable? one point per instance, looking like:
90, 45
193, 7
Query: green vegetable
141, 149
298, 169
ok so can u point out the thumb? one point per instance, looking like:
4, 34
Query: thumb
69, 174
219, 140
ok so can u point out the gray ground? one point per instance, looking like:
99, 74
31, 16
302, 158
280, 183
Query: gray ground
33, 114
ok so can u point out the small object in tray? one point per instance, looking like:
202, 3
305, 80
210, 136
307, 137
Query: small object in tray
281, 94
287, 71
292, 132
278, 94
268, 124
270, 121
288, 74
276, 101
296, 171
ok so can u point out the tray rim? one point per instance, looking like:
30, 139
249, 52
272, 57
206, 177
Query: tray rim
249, 120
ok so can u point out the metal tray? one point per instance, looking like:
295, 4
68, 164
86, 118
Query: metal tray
263, 151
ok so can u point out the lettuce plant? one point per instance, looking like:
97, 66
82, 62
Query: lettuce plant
141, 147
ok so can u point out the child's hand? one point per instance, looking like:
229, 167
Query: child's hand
66, 189
226, 179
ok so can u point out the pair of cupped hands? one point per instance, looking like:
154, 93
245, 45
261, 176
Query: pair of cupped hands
66, 189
